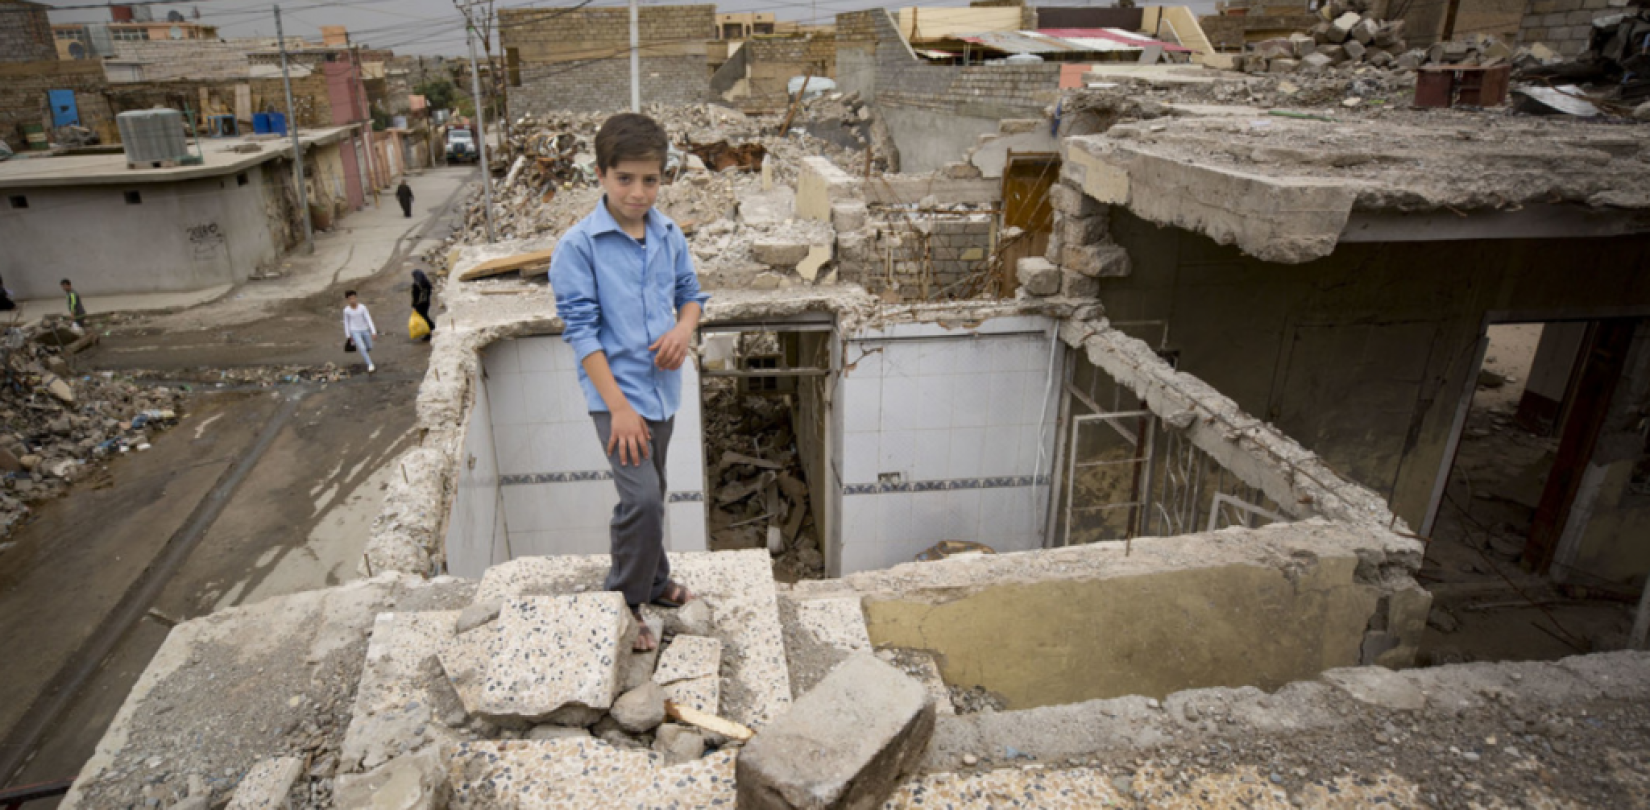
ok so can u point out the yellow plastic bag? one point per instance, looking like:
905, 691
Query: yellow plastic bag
417, 327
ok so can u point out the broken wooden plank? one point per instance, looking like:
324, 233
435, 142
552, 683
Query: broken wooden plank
707, 721
508, 264
731, 458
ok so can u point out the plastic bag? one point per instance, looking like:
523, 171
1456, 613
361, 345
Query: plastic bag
417, 327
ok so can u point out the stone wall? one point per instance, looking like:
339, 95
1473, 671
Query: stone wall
603, 85
164, 60
309, 96
581, 60
25, 33
916, 255
23, 87
1564, 25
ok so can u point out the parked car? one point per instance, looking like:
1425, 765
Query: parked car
461, 146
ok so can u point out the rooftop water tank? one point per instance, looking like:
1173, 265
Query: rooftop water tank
152, 135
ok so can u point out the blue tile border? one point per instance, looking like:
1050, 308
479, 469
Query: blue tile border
585, 476
996, 482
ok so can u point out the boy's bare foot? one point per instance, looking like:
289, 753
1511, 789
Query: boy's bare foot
645, 642
675, 595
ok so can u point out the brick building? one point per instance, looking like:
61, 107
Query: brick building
580, 60
25, 33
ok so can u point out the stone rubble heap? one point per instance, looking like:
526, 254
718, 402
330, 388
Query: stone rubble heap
58, 427
1352, 35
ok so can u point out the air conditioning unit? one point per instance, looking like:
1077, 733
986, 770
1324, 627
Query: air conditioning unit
152, 136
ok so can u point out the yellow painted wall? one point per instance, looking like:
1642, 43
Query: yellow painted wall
939, 23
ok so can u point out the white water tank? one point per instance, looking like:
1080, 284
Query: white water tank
152, 135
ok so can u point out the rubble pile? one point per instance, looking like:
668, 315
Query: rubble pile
262, 376
1613, 73
1351, 35
720, 157
56, 427
758, 494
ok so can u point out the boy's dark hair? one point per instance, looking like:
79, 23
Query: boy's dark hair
630, 136
349, 294
64, 283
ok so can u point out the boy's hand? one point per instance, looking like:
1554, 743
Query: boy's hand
670, 350
630, 434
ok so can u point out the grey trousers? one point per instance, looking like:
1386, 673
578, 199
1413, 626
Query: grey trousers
637, 535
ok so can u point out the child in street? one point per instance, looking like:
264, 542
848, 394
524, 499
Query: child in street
404, 195
77, 309
626, 289
358, 327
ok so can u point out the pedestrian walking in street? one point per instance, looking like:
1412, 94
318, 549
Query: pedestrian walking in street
422, 292
77, 308
6, 302
403, 195
359, 328
626, 290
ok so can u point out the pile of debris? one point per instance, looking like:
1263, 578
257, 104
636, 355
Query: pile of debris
261, 376
758, 491
1612, 75
1351, 36
57, 427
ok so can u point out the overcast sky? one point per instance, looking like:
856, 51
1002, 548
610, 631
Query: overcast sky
435, 27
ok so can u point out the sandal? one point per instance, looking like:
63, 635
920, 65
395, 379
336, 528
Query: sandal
675, 595
645, 642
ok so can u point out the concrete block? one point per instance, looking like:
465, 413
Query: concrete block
1316, 61
1301, 45
411, 782
1013, 126
846, 744
1038, 276
641, 709
1377, 686
1076, 285
1281, 65
960, 171
1342, 26
544, 655
679, 743
848, 215
265, 786
1102, 260
1072, 202
1336, 53
1355, 50
1410, 60
776, 253
1365, 31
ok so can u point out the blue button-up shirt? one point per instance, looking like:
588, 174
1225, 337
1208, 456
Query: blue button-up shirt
617, 296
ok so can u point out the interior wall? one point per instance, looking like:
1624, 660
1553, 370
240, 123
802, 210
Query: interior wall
1605, 536
812, 423
1361, 355
553, 477
948, 434
476, 529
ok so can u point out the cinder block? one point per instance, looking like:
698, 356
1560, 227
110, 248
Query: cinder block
1071, 201
846, 744
1038, 276
1102, 260
1076, 285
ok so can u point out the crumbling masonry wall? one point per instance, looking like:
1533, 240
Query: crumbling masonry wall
579, 60
916, 255
1565, 26
936, 113
23, 87
25, 33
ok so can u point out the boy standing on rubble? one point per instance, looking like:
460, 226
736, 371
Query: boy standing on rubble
626, 290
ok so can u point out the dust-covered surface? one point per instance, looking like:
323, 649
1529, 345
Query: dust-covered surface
1572, 733
277, 678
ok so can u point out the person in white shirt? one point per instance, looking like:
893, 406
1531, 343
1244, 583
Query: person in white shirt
358, 327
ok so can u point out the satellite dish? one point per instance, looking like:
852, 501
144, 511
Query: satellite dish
77, 51
177, 33
174, 16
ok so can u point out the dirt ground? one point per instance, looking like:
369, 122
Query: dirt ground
1486, 607
259, 490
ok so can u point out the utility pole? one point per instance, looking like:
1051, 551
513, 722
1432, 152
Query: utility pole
297, 150
481, 124
361, 84
635, 61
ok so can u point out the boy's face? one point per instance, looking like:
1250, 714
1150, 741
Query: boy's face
631, 186
66, 285
350, 301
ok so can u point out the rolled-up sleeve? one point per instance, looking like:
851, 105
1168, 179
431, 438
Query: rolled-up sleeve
687, 281
573, 277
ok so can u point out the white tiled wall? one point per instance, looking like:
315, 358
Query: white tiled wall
540, 426
965, 419
475, 531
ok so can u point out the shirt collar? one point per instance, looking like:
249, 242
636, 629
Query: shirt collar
603, 220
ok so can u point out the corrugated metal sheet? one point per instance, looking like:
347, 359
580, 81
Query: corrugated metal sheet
1066, 41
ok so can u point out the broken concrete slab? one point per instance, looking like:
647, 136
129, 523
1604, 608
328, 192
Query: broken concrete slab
690, 672
679, 743
776, 253
1378, 687
544, 654
403, 696
265, 786
477, 615
416, 781
849, 215
584, 773
695, 618
1077, 285
638, 667
848, 743
1096, 261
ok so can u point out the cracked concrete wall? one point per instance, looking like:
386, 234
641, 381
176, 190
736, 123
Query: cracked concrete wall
1238, 607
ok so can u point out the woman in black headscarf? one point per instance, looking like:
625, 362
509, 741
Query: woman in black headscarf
422, 291
6, 304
